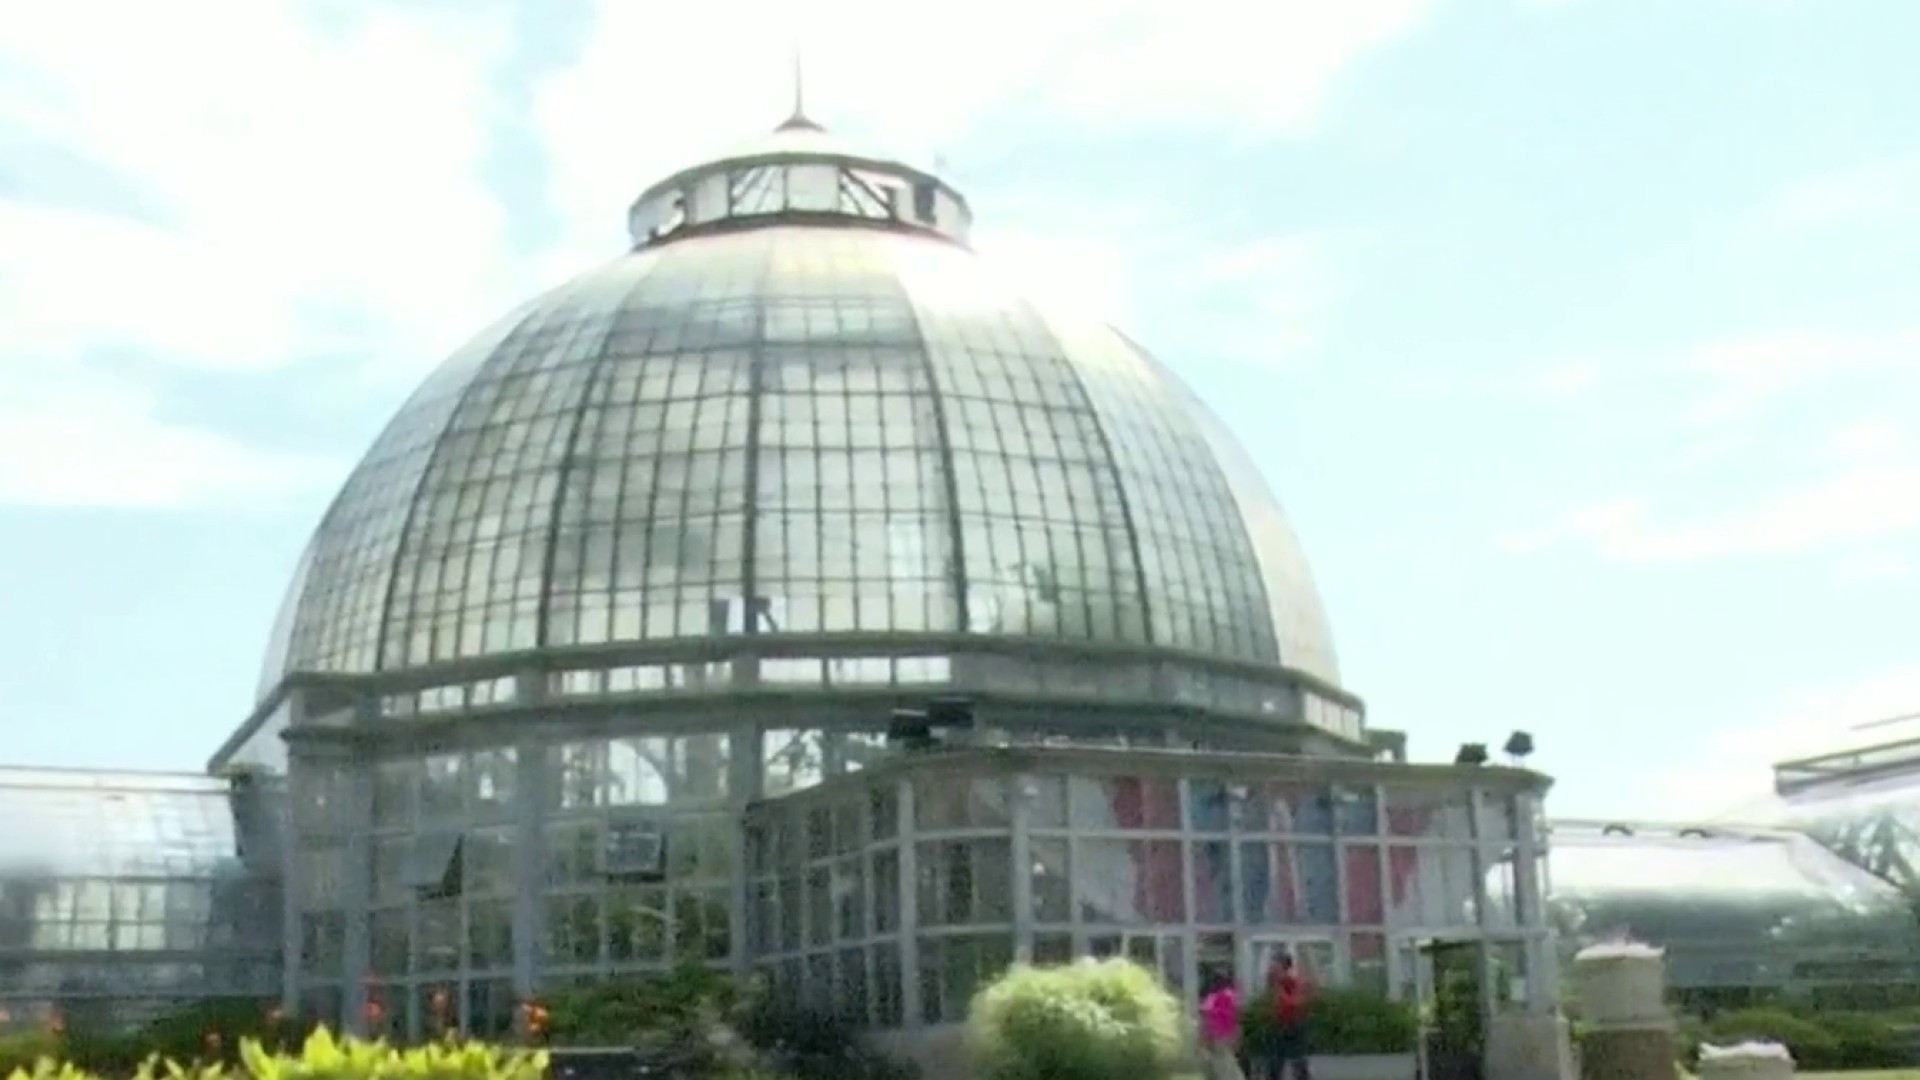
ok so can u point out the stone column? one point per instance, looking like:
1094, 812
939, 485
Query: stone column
1622, 993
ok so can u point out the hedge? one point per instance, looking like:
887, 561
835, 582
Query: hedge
1343, 1020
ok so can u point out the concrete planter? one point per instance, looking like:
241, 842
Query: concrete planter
1364, 1066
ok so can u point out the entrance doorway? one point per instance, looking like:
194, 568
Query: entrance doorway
1452, 1003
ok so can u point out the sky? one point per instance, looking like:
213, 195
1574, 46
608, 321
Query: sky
1579, 338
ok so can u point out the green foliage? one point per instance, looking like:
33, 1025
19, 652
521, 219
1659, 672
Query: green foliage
1830, 1041
1089, 1020
209, 1030
810, 1042
686, 1017
21, 1050
1342, 1020
323, 1057
641, 1011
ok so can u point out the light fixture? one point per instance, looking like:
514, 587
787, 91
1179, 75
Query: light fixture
1519, 746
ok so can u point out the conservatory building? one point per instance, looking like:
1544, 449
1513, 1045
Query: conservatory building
591, 667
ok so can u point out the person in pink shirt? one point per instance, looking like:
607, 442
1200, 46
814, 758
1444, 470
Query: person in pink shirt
1220, 1029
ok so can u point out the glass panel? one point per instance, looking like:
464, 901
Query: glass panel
953, 969
1366, 903
1048, 806
965, 881
886, 891
1207, 806
1117, 803
1369, 955
958, 802
1213, 882
1130, 881
1052, 881
1356, 811
1430, 886
883, 811
1302, 808
791, 760
887, 991
1435, 813
1289, 883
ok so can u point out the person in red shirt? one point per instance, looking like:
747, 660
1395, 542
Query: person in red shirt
1287, 1047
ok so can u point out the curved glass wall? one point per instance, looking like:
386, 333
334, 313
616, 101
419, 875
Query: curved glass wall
449, 887
126, 894
1734, 908
791, 432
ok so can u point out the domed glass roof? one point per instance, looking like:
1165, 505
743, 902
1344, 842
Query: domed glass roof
815, 414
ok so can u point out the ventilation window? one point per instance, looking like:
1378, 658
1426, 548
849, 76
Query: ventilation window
435, 869
635, 849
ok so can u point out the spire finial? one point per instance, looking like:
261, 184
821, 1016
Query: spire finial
799, 121
799, 83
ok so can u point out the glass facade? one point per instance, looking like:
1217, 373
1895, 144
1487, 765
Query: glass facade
1736, 908
894, 884
123, 895
898, 892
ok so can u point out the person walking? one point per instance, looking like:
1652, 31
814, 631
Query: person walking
1220, 1029
1287, 1046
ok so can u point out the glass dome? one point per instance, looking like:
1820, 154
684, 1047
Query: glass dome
801, 408
1733, 907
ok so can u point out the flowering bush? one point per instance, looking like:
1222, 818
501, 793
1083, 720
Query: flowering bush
1089, 1020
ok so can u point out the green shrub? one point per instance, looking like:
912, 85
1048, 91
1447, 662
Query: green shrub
1808, 1041
1342, 1020
1868, 1041
1089, 1020
805, 1041
21, 1049
638, 1011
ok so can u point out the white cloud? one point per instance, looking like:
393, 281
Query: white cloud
1266, 299
309, 182
1746, 374
1732, 769
1846, 487
1876, 569
1867, 193
655, 84
1847, 507
1565, 380
310, 186
74, 440
1869, 439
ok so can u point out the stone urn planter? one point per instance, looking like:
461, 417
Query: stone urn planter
1622, 993
1745, 1061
